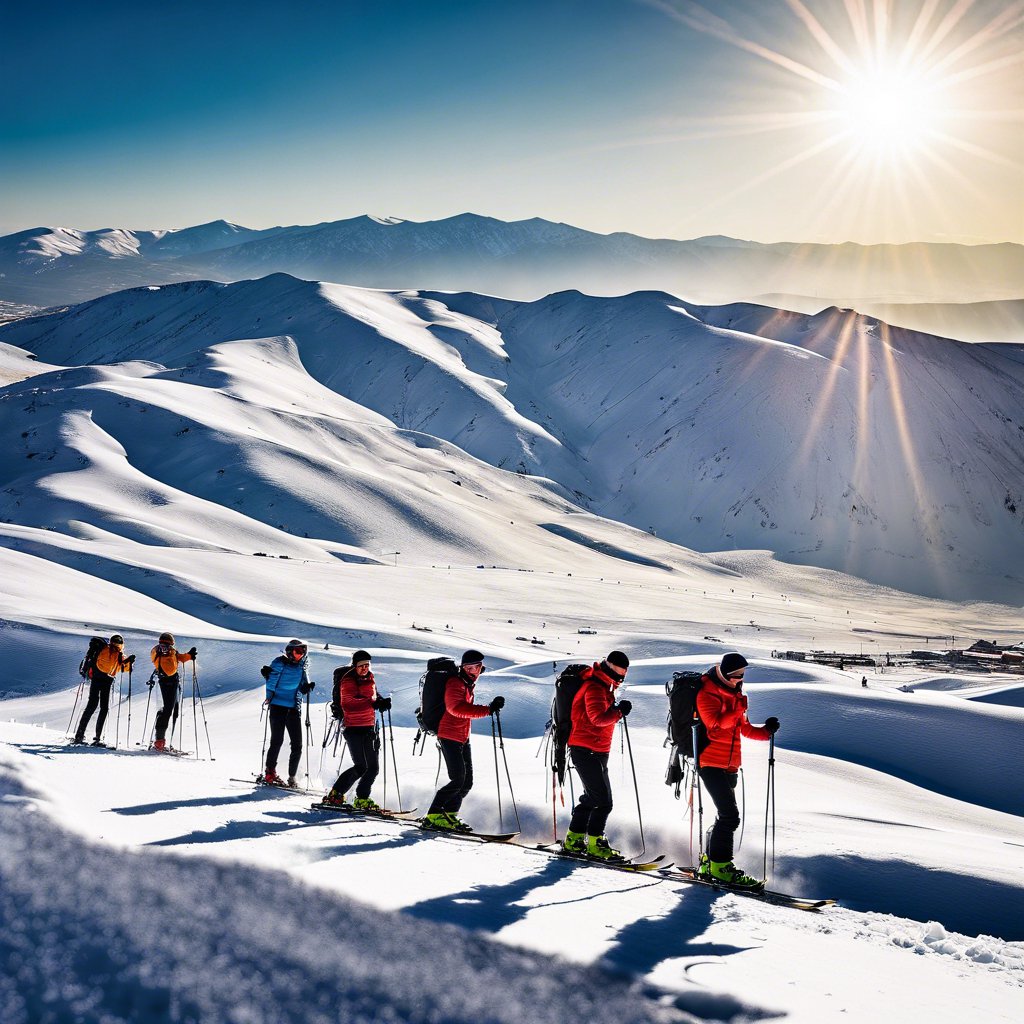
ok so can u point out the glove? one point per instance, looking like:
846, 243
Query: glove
151, 683
496, 705
307, 687
625, 706
193, 652
130, 659
382, 704
265, 671
772, 725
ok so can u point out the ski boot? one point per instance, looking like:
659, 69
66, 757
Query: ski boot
439, 820
97, 743
291, 783
457, 823
574, 842
364, 803
78, 741
160, 745
598, 846
271, 778
335, 799
726, 871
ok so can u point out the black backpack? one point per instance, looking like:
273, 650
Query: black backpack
682, 692
96, 644
567, 685
432, 684
336, 712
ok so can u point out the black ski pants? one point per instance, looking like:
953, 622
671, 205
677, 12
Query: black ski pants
720, 785
458, 759
99, 695
282, 718
169, 692
590, 815
364, 746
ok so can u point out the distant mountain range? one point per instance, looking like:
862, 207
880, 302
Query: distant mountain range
522, 260
462, 426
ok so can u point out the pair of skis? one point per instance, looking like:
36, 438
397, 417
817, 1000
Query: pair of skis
655, 865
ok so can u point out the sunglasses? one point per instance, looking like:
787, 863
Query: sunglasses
362, 664
734, 675
475, 664
297, 650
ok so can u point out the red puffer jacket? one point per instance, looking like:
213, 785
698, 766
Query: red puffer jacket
459, 710
724, 714
357, 697
593, 717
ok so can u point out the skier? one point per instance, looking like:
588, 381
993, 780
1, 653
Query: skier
722, 707
359, 704
594, 717
165, 672
110, 659
453, 738
287, 683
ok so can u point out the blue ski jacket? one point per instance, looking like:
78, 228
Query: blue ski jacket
287, 681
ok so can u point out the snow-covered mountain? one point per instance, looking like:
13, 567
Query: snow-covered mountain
831, 440
523, 259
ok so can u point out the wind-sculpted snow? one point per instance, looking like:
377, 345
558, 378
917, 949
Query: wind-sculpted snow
91, 934
831, 440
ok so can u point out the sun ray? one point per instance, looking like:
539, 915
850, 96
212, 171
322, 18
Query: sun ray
858, 15
945, 27
924, 16
824, 40
1009, 19
696, 17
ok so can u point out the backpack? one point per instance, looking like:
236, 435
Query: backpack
682, 690
432, 684
96, 644
336, 712
567, 685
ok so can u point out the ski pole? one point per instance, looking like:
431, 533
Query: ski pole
700, 796
497, 777
636, 787
394, 760
202, 709
511, 792
328, 723
378, 718
74, 708
770, 801
117, 721
309, 738
195, 717
128, 730
145, 720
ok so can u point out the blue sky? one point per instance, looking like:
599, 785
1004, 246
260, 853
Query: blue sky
652, 116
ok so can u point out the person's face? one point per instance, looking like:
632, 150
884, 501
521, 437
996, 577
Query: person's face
617, 674
735, 678
474, 670
362, 667
297, 653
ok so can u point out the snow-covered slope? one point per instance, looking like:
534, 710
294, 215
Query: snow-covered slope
522, 259
831, 440
929, 884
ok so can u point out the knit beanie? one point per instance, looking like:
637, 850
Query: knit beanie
733, 662
360, 656
472, 657
618, 659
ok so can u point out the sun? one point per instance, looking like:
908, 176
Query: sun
888, 112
